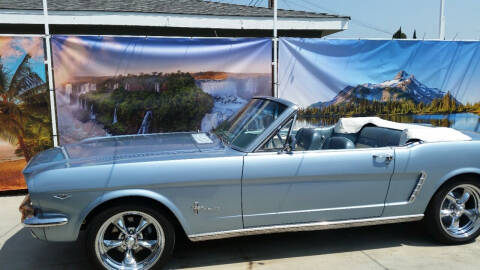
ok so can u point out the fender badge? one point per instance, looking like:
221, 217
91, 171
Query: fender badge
197, 207
62, 196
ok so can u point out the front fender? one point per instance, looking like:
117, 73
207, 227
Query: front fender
116, 194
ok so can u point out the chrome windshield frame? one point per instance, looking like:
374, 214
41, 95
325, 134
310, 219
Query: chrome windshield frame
278, 123
291, 117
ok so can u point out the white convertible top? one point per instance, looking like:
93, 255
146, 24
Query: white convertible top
409, 131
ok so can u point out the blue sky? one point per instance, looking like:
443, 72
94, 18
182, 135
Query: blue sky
381, 18
14, 49
107, 56
313, 70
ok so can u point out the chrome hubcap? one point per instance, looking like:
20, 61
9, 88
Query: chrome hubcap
459, 212
129, 240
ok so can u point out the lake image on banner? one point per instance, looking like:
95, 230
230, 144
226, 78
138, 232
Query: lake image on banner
402, 99
460, 121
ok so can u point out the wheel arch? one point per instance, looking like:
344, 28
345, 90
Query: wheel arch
139, 196
454, 176
458, 174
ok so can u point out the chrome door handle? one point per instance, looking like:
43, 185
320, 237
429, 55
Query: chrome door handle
387, 157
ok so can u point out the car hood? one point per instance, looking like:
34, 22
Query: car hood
142, 145
123, 148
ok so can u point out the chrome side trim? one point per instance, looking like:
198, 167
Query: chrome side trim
418, 187
315, 226
319, 210
396, 203
47, 220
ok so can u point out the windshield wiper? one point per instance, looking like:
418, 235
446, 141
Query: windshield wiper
221, 135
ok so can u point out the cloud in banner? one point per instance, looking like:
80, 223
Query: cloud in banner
18, 46
315, 70
136, 85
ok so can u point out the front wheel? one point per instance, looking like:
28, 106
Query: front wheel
130, 237
453, 215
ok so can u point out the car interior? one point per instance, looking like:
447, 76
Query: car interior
370, 136
325, 138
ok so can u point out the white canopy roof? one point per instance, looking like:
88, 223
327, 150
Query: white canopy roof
409, 131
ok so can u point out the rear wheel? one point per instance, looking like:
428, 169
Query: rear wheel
130, 237
453, 215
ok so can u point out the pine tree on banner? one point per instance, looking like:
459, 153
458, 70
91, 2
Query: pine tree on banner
399, 34
414, 34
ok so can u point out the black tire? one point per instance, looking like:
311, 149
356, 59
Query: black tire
97, 222
432, 215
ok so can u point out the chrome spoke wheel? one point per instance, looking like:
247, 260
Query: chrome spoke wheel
459, 211
130, 240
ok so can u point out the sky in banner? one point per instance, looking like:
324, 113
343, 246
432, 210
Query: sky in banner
14, 48
110, 56
320, 69
380, 18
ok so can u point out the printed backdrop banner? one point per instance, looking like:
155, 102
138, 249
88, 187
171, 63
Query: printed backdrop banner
433, 82
25, 119
136, 85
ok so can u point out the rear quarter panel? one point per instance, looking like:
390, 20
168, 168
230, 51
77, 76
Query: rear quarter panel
440, 161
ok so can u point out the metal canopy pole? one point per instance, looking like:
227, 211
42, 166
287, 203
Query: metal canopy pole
50, 75
275, 50
442, 20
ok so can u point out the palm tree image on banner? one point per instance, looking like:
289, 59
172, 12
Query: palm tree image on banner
108, 86
25, 121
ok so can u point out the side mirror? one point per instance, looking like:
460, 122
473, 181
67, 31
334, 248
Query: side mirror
289, 145
292, 142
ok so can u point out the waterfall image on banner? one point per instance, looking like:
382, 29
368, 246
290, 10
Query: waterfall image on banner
113, 86
402, 81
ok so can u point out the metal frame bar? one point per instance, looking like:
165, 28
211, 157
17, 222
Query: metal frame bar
275, 49
441, 31
22, 35
51, 87
409, 39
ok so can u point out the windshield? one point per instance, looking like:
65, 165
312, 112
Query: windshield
249, 123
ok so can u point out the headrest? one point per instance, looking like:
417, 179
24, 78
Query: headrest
309, 139
379, 137
338, 143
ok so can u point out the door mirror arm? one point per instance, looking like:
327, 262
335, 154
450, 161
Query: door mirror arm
291, 141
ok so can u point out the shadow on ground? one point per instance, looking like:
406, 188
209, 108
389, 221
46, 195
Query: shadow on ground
21, 251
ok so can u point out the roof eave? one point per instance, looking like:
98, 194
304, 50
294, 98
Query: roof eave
171, 20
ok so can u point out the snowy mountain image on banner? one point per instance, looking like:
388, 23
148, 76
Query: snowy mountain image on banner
403, 87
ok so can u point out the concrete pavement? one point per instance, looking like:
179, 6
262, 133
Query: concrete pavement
398, 246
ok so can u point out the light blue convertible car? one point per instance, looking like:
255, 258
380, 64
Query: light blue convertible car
258, 172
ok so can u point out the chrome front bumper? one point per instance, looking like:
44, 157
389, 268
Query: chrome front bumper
45, 220
35, 219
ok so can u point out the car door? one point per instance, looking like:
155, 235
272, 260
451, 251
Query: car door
312, 186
